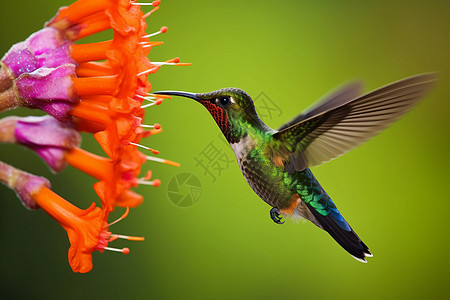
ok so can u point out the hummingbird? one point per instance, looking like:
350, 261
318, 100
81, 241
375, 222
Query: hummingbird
276, 163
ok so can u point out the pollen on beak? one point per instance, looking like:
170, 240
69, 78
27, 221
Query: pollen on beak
178, 93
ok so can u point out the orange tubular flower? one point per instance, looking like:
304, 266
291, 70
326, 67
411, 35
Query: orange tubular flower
87, 229
100, 88
111, 92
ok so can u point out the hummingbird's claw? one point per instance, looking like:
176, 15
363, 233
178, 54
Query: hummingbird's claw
276, 216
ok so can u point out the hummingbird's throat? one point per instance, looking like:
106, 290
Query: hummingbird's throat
219, 116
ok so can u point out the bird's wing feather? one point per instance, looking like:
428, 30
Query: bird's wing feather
331, 133
338, 97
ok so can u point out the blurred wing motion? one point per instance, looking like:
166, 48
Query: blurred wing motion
343, 121
338, 97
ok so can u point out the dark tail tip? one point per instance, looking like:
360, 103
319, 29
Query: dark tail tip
345, 237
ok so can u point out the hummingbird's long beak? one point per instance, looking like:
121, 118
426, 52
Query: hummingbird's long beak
178, 93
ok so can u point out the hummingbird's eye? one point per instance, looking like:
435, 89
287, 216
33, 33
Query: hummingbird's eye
224, 100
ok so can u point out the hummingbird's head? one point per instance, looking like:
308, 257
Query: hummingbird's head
230, 108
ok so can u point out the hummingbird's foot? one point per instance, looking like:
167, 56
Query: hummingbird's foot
276, 216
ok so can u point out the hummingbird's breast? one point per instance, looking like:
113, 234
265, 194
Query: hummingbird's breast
264, 177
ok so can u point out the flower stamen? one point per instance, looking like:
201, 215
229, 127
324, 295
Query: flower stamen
157, 102
154, 3
146, 98
147, 71
162, 30
154, 99
164, 161
152, 43
150, 12
126, 237
163, 63
171, 62
155, 182
125, 214
144, 147
156, 126
123, 250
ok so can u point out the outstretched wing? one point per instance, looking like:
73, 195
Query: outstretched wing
338, 97
335, 129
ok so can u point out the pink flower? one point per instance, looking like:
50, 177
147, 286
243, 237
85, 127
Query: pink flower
41, 68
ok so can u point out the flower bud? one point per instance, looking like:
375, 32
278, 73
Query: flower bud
26, 185
48, 137
41, 68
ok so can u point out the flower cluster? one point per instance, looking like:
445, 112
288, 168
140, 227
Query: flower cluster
97, 88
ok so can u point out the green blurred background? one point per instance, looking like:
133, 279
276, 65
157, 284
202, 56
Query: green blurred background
392, 190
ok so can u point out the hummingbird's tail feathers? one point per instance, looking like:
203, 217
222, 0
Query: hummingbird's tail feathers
345, 237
